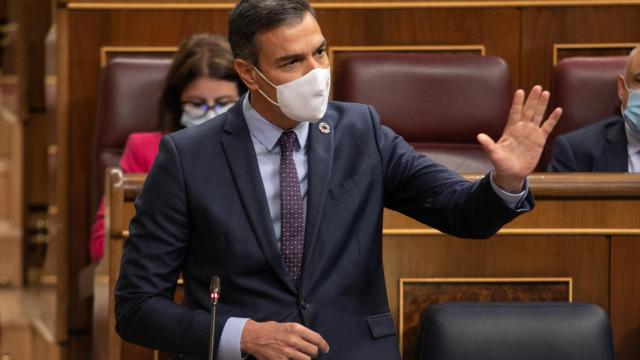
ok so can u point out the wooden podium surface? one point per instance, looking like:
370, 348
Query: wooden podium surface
580, 244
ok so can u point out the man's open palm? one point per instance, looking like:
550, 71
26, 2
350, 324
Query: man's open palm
517, 152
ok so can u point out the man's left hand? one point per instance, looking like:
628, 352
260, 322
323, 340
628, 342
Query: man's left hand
518, 151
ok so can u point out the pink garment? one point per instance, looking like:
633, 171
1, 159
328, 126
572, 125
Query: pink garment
139, 153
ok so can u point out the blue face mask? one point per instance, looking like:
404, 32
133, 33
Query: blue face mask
632, 112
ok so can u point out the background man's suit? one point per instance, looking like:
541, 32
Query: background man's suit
599, 147
203, 211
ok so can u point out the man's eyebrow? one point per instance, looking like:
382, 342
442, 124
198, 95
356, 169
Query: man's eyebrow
289, 57
323, 45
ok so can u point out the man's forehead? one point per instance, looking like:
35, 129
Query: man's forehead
299, 37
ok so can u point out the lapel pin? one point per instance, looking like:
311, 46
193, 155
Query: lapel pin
324, 127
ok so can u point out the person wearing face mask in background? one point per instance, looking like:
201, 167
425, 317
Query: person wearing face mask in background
200, 85
283, 197
612, 144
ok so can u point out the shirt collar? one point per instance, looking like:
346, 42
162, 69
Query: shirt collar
633, 140
266, 132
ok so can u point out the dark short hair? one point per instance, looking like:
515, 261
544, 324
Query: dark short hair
199, 55
251, 17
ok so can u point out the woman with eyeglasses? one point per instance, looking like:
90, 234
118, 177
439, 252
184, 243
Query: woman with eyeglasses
200, 85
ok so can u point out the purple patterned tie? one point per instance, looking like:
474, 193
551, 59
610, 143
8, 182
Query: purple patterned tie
292, 225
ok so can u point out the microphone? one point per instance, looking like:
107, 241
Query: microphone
214, 295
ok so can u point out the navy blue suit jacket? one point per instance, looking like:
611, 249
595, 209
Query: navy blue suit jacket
599, 147
203, 212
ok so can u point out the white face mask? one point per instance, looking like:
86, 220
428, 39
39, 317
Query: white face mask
304, 99
189, 120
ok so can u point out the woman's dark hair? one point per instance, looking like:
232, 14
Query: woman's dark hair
199, 55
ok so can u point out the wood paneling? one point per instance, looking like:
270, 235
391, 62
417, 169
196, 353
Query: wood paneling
35, 153
521, 32
561, 51
35, 22
544, 27
337, 4
625, 292
583, 258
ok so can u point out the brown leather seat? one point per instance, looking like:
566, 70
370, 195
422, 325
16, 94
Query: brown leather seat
585, 88
130, 88
437, 102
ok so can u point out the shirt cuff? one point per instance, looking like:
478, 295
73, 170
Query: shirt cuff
513, 201
229, 347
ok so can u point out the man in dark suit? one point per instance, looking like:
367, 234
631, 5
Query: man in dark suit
282, 197
612, 144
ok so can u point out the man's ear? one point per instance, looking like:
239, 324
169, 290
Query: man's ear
622, 91
246, 73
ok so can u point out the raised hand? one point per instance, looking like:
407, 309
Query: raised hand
281, 341
517, 152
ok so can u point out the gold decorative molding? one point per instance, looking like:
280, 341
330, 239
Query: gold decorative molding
101, 279
589, 46
353, 5
9, 79
52, 209
52, 149
107, 51
8, 115
148, 6
10, 27
48, 279
519, 231
50, 80
491, 280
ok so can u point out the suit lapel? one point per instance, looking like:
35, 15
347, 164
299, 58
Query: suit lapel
241, 157
320, 161
615, 150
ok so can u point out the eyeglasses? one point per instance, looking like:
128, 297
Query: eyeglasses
200, 108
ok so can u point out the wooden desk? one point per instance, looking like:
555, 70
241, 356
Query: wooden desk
585, 227
581, 241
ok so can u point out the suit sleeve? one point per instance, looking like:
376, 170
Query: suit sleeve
562, 158
436, 196
151, 264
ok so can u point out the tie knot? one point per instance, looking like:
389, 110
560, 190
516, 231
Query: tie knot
287, 141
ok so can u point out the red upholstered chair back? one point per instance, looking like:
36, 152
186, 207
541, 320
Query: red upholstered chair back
585, 88
130, 89
437, 102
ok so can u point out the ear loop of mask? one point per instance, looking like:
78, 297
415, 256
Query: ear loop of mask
270, 83
629, 91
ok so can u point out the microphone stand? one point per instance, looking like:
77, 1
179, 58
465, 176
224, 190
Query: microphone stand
214, 294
